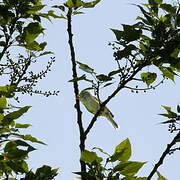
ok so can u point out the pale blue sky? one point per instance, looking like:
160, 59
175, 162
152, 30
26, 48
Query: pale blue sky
53, 119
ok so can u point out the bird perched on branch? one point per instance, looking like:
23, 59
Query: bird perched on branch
92, 105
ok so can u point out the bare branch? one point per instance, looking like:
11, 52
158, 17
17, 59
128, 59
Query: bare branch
76, 89
165, 153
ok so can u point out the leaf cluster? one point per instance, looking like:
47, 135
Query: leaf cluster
124, 168
75, 6
153, 43
15, 147
20, 28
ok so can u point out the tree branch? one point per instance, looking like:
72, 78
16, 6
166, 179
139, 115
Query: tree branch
76, 89
157, 165
121, 86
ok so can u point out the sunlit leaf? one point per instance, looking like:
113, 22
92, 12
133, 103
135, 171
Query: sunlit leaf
83, 77
168, 72
104, 78
167, 108
46, 52
32, 31
101, 150
122, 151
148, 77
85, 67
70, 3
22, 125
1, 117
129, 168
90, 157
32, 139
51, 13
77, 12
3, 102
15, 115
90, 4
160, 177
7, 91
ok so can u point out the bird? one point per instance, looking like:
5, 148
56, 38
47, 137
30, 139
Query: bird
92, 105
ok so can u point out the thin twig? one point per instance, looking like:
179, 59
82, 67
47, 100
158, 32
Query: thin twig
165, 153
145, 89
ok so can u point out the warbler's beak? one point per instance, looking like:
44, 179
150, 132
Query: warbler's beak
78, 96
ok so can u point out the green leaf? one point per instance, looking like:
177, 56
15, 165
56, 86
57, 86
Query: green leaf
51, 13
167, 108
1, 117
129, 168
148, 78
160, 177
85, 67
24, 166
59, 7
32, 31
90, 157
159, 1
78, 3
90, 4
22, 125
147, 15
3, 102
107, 84
168, 7
43, 45
77, 12
126, 52
45, 172
32, 139
70, 3
104, 78
83, 77
154, 5
34, 46
112, 73
7, 91
15, 115
101, 150
13, 152
170, 114
46, 52
122, 151
18, 166
129, 34
119, 34
169, 121
167, 72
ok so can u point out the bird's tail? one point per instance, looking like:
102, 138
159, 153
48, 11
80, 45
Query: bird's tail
114, 124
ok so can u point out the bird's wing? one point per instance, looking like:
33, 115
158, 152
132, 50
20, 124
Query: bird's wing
106, 107
88, 109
